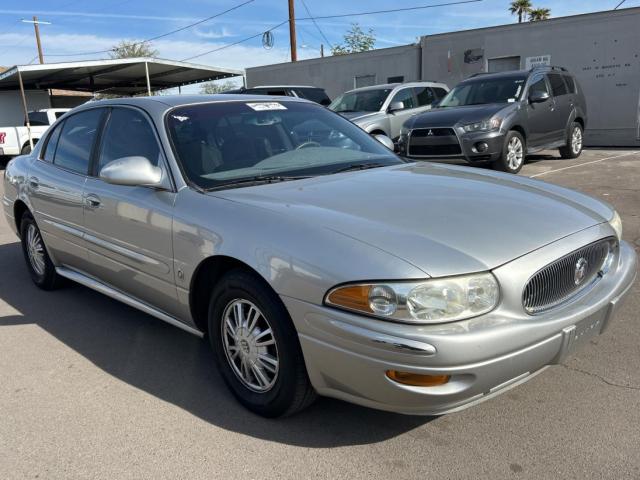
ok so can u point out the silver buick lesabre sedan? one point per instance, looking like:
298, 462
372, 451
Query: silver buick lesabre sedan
314, 259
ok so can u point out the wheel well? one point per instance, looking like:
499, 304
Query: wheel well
19, 207
520, 130
377, 131
35, 140
207, 274
580, 121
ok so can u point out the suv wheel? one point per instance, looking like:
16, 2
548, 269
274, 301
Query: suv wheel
513, 153
43, 272
573, 148
256, 346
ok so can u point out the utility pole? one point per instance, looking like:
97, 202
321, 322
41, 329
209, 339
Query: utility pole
36, 27
322, 50
292, 32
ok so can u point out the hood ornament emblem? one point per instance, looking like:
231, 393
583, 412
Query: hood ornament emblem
580, 271
430, 133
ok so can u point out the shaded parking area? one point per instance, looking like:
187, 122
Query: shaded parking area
90, 388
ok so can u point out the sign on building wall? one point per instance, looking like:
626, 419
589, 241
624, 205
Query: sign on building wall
540, 60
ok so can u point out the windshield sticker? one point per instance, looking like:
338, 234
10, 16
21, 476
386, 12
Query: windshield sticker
511, 100
180, 118
264, 106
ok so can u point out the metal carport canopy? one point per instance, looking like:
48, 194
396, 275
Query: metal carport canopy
124, 76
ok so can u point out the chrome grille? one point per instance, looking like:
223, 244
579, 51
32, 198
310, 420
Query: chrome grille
560, 281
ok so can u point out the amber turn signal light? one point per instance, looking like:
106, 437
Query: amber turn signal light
416, 379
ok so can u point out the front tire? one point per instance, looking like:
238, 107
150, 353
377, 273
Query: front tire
41, 268
256, 346
513, 153
573, 148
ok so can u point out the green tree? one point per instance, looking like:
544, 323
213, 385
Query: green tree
520, 8
536, 14
211, 88
355, 40
126, 49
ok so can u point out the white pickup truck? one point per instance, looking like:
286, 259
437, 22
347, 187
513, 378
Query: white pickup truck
15, 140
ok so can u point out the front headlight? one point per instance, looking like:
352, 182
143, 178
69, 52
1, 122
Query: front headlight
484, 126
616, 224
435, 300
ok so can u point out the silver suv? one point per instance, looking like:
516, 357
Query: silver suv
382, 109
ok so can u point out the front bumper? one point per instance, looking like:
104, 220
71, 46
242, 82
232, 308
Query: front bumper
472, 147
347, 355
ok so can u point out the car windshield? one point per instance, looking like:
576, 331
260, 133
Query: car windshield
479, 92
226, 143
361, 101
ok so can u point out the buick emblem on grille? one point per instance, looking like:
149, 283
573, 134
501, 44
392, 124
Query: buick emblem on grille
580, 271
430, 133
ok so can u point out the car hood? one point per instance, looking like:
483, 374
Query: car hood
443, 219
450, 116
358, 116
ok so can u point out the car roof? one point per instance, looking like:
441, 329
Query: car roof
180, 100
285, 86
488, 76
384, 86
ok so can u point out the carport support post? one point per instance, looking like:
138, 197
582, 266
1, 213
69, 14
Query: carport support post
26, 111
146, 70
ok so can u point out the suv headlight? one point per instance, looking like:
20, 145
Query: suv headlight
616, 224
435, 300
484, 126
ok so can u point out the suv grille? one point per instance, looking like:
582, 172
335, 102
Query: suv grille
433, 132
566, 277
434, 150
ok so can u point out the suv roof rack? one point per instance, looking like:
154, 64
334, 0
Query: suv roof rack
549, 67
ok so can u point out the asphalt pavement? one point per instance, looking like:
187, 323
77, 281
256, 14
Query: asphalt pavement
90, 388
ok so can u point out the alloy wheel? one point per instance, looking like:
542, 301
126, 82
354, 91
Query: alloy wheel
35, 250
249, 345
576, 140
515, 153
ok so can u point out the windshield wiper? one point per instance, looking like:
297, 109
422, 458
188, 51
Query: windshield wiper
359, 166
346, 111
256, 180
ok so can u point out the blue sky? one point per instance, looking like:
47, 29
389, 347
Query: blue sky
82, 26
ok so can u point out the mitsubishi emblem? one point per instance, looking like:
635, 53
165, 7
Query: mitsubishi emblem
430, 133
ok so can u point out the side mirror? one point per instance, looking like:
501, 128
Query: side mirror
386, 141
132, 171
395, 106
538, 97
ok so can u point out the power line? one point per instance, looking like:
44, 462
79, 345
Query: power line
393, 10
186, 27
304, 4
620, 4
235, 43
460, 2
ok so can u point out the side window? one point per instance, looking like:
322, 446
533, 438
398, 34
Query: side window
128, 134
37, 119
557, 84
406, 97
571, 83
439, 92
76, 140
52, 144
538, 85
424, 95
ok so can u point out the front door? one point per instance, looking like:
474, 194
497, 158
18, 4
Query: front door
541, 127
56, 181
128, 228
398, 117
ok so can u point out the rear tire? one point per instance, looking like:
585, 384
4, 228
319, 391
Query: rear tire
513, 153
41, 268
256, 346
26, 150
573, 148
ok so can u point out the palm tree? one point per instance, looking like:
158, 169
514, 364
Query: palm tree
520, 8
536, 14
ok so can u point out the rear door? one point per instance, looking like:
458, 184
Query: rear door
56, 181
128, 228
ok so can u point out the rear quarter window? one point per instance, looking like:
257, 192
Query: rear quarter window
439, 92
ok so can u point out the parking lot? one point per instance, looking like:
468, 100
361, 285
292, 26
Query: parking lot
90, 388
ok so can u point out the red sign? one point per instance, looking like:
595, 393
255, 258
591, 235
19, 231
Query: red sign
2, 136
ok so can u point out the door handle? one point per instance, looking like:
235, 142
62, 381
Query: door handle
34, 183
92, 201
